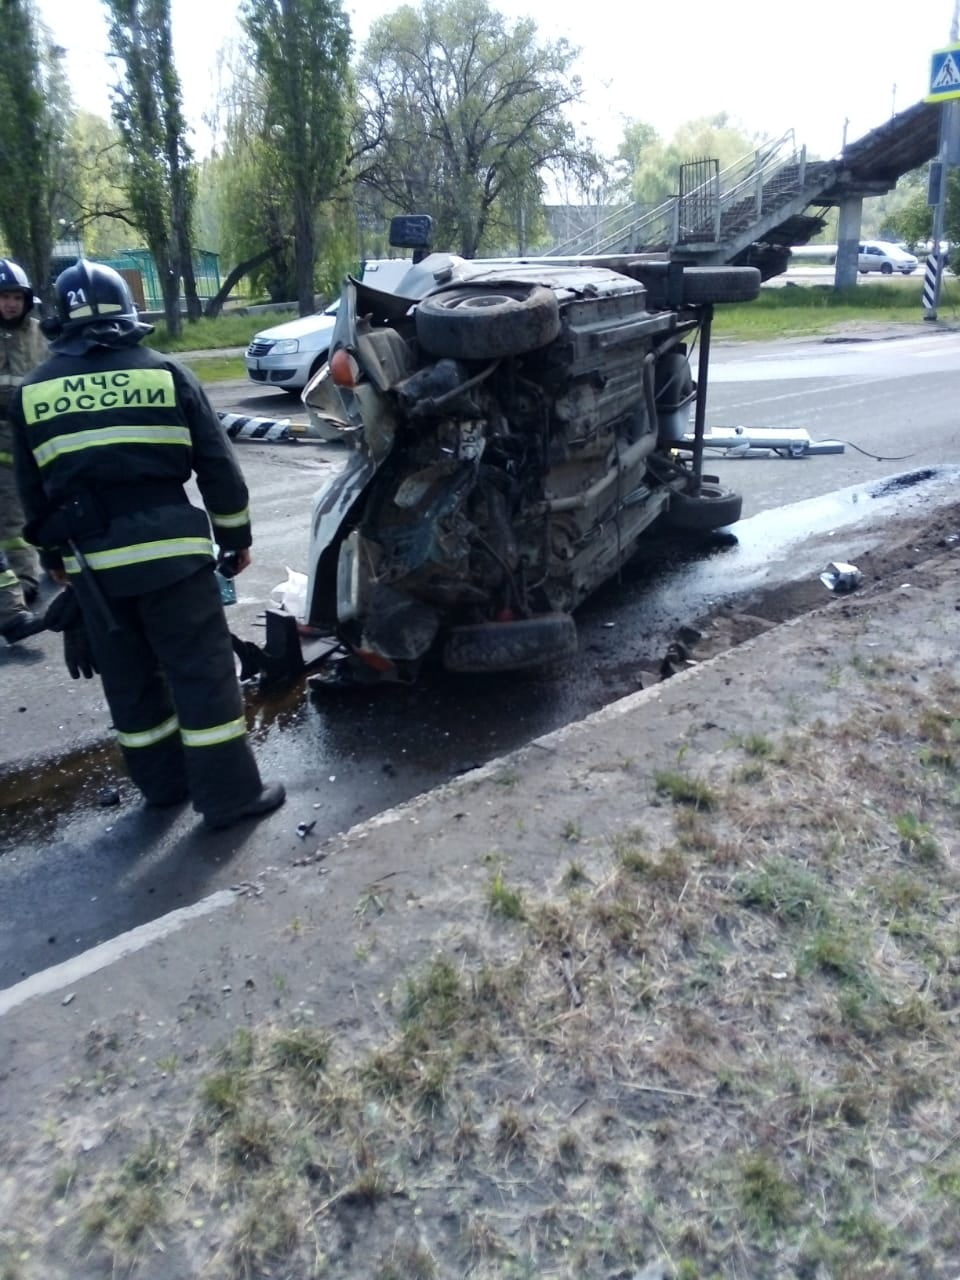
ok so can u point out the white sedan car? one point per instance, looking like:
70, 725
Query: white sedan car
288, 355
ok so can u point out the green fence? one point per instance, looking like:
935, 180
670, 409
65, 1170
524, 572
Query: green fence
206, 269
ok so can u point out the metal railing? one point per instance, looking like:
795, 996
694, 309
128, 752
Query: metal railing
663, 226
744, 182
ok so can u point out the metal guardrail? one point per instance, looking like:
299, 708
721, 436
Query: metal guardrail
747, 176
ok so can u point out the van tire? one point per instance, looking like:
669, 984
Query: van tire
473, 322
701, 285
714, 507
720, 284
511, 646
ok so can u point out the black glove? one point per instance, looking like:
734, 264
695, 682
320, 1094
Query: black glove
77, 653
63, 612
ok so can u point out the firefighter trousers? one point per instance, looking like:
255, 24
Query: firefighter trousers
22, 558
169, 678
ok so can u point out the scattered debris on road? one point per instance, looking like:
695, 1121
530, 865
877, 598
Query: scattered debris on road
841, 577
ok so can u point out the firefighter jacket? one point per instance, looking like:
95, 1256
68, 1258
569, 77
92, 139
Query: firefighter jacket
22, 348
103, 445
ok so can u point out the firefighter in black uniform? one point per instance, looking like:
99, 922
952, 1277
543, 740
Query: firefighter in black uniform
106, 434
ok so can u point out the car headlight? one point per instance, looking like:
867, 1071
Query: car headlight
286, 347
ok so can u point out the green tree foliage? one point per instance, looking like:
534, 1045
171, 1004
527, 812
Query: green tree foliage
913, 220
253, 214
148, 110
460, 114
97, 206
301, 52
652, 167
35, 111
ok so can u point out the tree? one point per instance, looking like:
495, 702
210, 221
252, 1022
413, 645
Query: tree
459, 114
653, 166
35, 111
148, 110
97, 207
912, 220
301, 49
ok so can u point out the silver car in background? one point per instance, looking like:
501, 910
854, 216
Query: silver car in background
288, 355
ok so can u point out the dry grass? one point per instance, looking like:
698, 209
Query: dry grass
727, 1040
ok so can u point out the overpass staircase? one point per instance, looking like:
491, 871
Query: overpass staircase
751, 212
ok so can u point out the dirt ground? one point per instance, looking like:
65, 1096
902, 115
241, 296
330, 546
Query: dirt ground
674, 992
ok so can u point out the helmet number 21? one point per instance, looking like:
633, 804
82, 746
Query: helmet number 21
76, 298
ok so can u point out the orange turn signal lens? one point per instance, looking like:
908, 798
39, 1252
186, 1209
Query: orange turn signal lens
344, 369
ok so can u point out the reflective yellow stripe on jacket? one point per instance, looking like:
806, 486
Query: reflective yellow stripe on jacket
235, 521
76, 441
141, 553
149, 737
8, 579
214, 736
6, 459
14, 544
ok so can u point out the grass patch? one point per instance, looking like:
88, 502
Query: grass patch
682, 789
783, 313
230, 329
503, 902
218, 368
789, 893
732, 1045
124, 1208
916, 838
765, 1196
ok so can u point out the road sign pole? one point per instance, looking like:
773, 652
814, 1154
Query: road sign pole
945, 89
933, 274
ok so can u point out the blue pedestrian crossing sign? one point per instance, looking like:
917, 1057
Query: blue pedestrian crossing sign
944, 74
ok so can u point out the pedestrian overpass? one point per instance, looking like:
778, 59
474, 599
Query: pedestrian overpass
751, 213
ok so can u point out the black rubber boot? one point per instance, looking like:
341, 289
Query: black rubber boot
167, 799
271, 796
18, 627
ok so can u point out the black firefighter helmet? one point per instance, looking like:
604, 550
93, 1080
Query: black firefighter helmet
94, 305
90, 293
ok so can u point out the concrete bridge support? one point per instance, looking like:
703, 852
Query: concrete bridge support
848, 241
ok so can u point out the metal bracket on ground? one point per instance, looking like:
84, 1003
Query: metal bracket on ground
760, 442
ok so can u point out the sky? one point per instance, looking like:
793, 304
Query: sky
836, 68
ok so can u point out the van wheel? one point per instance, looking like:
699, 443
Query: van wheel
720, 284
712, 508
475, 323
511, 646
701, 285
886, 269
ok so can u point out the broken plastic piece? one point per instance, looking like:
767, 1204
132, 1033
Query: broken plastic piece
841, 577
291, 596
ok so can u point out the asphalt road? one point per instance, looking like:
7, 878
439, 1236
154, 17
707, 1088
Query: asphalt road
73, 873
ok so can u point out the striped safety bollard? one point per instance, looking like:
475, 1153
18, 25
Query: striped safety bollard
930, 288
272, 430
